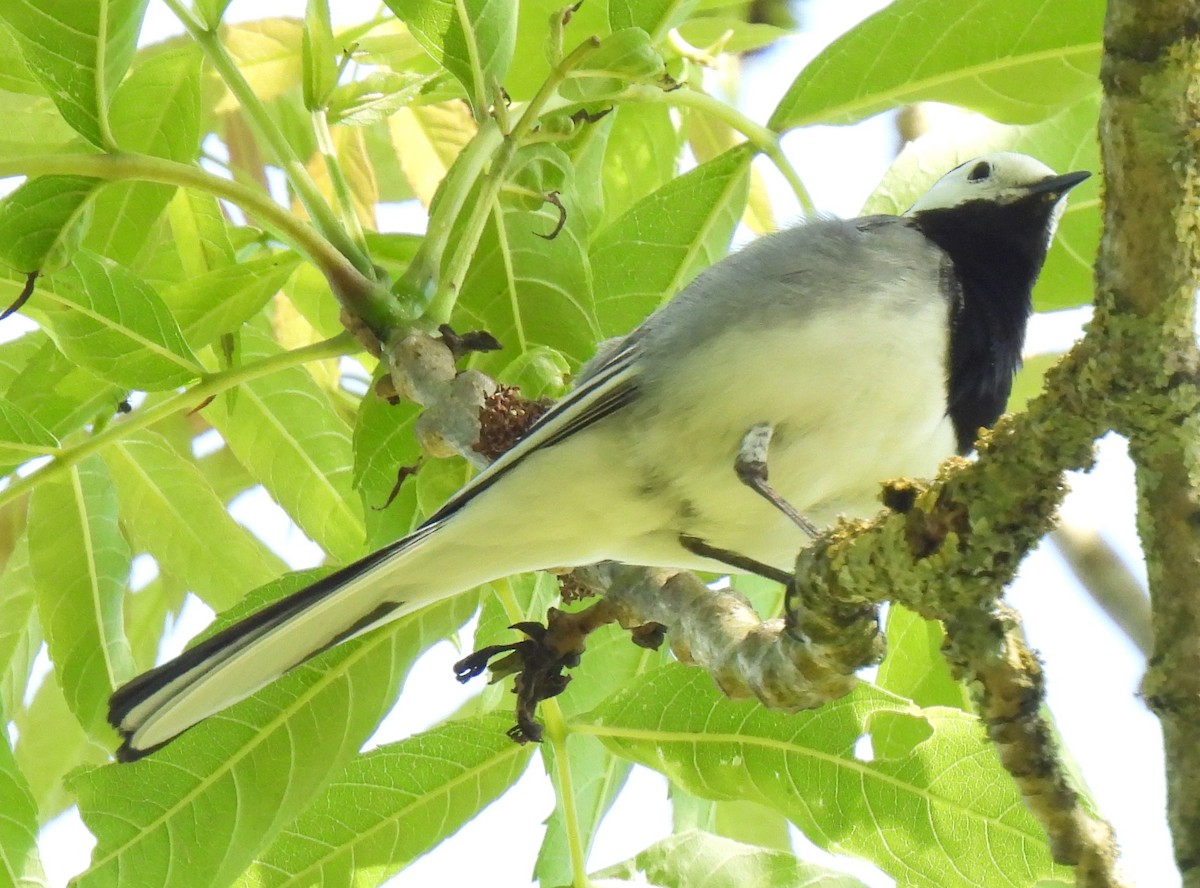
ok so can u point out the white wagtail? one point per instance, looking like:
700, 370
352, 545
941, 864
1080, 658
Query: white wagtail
836, 354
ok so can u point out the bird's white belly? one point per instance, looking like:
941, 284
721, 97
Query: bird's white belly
836, 435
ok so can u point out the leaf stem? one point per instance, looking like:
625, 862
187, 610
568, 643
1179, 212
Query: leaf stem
102, 96
489, 160
550, 86
341, 189
447, 211
306, 189
762, 138
210, 385
361, 295
556, 733
479, 96
455, 271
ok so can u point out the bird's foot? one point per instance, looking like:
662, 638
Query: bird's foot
540, 660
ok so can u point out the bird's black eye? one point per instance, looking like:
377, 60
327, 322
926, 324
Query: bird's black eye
980, 171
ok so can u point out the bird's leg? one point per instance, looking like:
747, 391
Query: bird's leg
751, 467
697, 546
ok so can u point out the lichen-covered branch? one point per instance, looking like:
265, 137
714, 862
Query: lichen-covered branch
721, 633
1147, 277
946, 549
987, 652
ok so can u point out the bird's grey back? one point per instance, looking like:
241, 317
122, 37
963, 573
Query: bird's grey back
789, 277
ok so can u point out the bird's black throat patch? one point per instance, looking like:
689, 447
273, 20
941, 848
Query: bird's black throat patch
997, 251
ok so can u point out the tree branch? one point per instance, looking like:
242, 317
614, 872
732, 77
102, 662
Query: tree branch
987, 652
720, 633
1108, 580
1147, 277
946, 550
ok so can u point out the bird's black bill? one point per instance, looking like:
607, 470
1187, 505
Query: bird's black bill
1059, 184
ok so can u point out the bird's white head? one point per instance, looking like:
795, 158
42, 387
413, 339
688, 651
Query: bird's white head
1002, 178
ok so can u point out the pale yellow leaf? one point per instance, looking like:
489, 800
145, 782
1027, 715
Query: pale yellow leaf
427, 139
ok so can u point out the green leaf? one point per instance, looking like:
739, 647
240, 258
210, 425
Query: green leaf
753, 824
473, 39
696, 859
211, 11
588, 148
350, 155
393, 251
80, 52
20, 634
426, 140
438, 480
655, 17
914, 666
1020, 63
393, 186
200, 233
51, 744
156, 111
20, 865
641, 156
533, 40
32, 125
921, 817
742, 821
1028, 383
220, 301
523, 288
318, 55
732, 35
57, 393
538, 373
15, 76
385, 810
308, 291
17, 354
80, 564
375, 97
533, 593
171, 512
596, 774
285, 432
657, 246
111, 321
708, 137
287, 742
146, 615
622, 58
267, 52
1066, 141
42, 222
384, 445
390, 44
22, 437
623, 663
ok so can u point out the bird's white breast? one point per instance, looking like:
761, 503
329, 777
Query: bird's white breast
835, 334
856, 394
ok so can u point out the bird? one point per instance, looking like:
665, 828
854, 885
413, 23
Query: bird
772, 395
